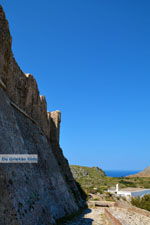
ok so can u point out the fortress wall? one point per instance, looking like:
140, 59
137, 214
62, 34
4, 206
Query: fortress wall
32, 194
21, 88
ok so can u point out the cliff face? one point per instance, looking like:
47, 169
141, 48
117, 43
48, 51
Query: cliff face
31, 194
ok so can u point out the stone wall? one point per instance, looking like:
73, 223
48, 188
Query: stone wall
55, 119
35, 194
21, 88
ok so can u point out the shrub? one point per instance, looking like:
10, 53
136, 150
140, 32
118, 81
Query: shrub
143, 203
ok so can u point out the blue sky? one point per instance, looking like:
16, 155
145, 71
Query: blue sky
91, 59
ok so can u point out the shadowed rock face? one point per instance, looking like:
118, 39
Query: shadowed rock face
31, 194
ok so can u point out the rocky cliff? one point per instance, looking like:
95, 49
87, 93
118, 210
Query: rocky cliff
31, 194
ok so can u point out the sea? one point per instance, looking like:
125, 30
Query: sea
120, 173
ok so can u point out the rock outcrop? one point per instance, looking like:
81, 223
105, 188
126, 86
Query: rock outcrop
31, 194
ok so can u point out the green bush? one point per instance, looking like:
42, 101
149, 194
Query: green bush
143, 203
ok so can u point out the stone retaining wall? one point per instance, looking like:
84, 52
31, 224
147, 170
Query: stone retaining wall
133, 209
111, 219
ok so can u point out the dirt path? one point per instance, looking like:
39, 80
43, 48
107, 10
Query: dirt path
129, 218
89, 217
95, 216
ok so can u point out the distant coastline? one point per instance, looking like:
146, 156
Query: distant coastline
120, 173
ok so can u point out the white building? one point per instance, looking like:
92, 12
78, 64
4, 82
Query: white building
129, 192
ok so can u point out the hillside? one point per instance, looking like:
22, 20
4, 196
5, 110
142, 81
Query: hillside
82, 171
94, 180
89, 178
144, 173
